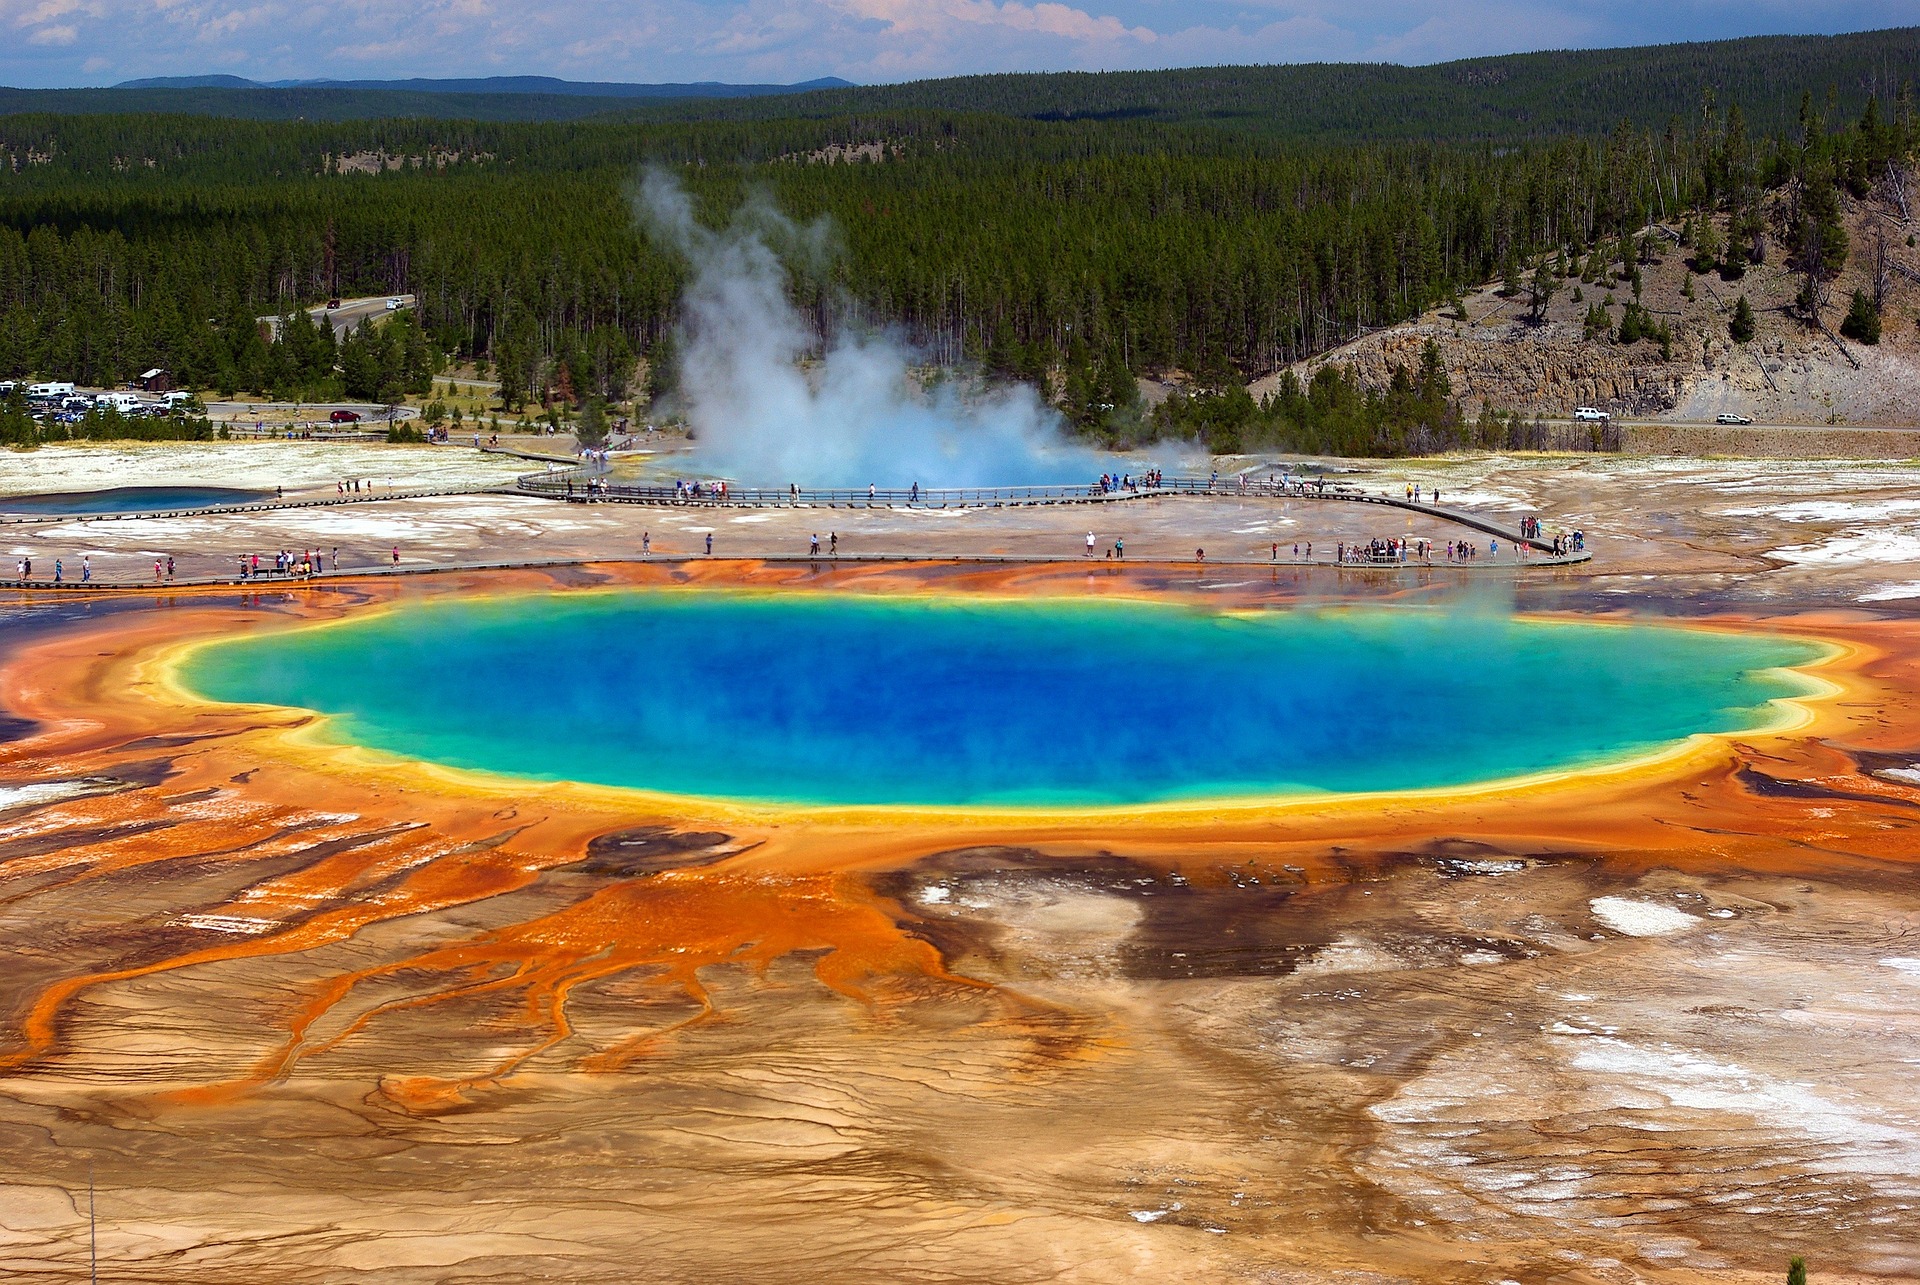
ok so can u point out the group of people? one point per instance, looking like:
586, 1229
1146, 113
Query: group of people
1111, 482
1115, 551
1562, 544
23, 567
355, 485
696, 490
1375, 551
813, 547
305, 563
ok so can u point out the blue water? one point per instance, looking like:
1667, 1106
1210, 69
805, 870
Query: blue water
129, 499
827, 698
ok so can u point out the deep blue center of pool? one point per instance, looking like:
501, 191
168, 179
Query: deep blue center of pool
830, 698
129, 499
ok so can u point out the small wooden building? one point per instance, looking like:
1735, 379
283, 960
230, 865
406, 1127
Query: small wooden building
157, 380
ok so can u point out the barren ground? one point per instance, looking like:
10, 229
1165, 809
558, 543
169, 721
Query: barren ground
309, 1021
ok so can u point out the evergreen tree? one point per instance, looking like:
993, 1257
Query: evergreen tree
591, 429
1541, 287
1862, 321
663, 368
1741, 328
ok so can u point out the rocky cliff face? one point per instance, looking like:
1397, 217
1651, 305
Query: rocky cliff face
1790, 373
1548, 368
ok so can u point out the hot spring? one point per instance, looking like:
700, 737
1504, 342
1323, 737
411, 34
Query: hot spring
820, 698
130, 499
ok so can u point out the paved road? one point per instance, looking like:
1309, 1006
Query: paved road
349, 314
306, 412
1757, 426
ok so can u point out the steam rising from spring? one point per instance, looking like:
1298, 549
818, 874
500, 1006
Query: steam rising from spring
856, 417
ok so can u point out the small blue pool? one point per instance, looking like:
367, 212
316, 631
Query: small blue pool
129, 499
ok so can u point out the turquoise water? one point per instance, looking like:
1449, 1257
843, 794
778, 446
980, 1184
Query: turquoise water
130, 499
822, 698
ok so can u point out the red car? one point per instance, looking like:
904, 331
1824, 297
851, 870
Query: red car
345, 417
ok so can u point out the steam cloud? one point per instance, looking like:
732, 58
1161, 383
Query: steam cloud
856, 417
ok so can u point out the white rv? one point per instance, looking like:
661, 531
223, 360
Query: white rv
47, 392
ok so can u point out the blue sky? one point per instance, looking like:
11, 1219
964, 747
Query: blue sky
92, 42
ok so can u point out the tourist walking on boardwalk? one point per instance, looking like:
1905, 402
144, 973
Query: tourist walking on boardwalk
86, 568
1119, 548
833, 543
396, 555
59, 571
709, 544
646, 543
169, 566
1089, 544
813, 549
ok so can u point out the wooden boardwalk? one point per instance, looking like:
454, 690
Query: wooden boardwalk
555, 486
267, 581
588, 486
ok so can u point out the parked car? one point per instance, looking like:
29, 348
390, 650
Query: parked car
1730, 418
345, 417
1590, 414
393, 304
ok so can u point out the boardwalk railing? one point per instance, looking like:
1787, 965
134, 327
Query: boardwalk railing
587, 484
248, 506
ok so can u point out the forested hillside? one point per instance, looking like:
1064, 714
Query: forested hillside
1080, 250
1509, 97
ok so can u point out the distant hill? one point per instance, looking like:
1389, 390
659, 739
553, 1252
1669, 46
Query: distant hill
1510, 98
1507, 97
493, 98
541, 85
306, 104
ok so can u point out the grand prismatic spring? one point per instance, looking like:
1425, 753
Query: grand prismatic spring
823, 699
979, 912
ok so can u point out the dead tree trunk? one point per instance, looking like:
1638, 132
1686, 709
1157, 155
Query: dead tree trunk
1897, 181
1880, 269
1822, 323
